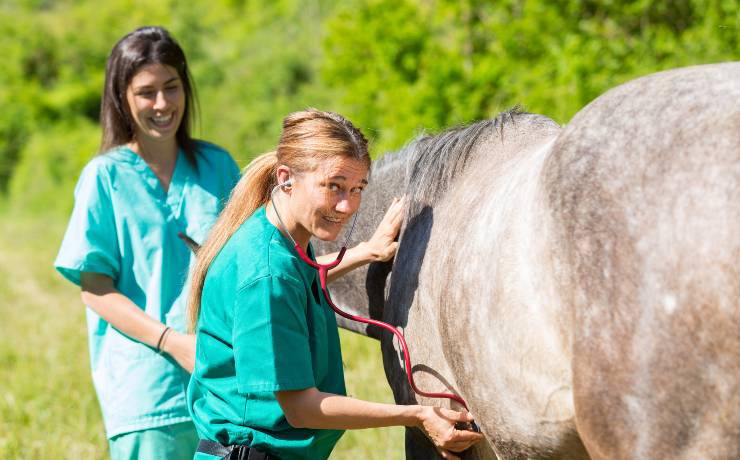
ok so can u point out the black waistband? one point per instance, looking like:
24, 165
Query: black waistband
232, 452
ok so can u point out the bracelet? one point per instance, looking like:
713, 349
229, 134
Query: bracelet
164, 340
161, 338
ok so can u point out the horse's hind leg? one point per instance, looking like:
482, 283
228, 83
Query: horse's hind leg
656, 369
655, 284
662, 386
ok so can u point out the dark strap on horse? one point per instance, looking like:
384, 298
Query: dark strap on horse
234, 452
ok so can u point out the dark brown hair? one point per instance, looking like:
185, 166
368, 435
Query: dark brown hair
143, 46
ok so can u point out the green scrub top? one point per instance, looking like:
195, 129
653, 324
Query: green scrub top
125, 226
264, 326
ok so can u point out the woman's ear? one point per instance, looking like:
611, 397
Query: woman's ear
283, 177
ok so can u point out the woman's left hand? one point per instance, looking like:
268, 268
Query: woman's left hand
379, 248
182, 348
382, 245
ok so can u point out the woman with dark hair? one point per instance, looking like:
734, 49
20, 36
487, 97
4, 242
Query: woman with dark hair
268, 380
150, 183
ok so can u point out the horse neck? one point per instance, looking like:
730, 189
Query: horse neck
387, 181
480, 152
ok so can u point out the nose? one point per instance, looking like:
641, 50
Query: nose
161, 102
347, 204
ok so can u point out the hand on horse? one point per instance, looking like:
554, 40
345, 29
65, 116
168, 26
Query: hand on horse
439, 425
382, 245
182, 348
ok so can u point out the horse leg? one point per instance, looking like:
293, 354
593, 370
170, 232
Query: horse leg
655, 348
675, 397
418, 446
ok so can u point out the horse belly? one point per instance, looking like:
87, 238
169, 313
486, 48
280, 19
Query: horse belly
492, 327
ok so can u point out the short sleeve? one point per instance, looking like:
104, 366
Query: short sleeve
233, 173
90, 242
230, 174
219, 163
271, 339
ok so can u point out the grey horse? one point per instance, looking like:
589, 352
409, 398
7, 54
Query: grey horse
578, 286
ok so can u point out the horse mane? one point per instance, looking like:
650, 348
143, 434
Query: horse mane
433, 161
391, 160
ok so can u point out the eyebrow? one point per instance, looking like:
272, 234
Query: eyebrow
173, 79
364, 181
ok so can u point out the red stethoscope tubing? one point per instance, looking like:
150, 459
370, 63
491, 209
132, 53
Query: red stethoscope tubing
323, 271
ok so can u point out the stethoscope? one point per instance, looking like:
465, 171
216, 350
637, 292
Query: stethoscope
323, 270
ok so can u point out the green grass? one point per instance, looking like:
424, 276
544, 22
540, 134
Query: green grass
48, 407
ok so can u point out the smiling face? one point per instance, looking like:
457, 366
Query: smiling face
156, 101
322, 201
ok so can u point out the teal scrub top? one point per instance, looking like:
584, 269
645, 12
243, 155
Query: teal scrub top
264, 326
125, 226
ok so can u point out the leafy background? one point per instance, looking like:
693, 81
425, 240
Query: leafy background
394, 67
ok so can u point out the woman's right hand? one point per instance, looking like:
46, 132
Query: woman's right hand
382, 245
182, 349
439, 425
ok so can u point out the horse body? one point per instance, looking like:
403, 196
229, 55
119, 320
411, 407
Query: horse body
485, 302
644, 191
577, 286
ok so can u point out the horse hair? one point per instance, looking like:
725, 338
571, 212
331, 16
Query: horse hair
433, 161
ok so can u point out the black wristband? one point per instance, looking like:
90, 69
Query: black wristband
161, 337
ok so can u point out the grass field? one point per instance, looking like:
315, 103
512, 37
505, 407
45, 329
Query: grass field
48, 408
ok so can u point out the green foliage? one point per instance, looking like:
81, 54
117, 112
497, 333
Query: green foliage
408, 65
395, 67
50, 163
253, 71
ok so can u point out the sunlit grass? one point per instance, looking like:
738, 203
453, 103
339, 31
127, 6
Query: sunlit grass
365, 378
47, 405
48, 408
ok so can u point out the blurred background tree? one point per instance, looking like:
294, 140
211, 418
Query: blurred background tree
394, 66
405, 64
